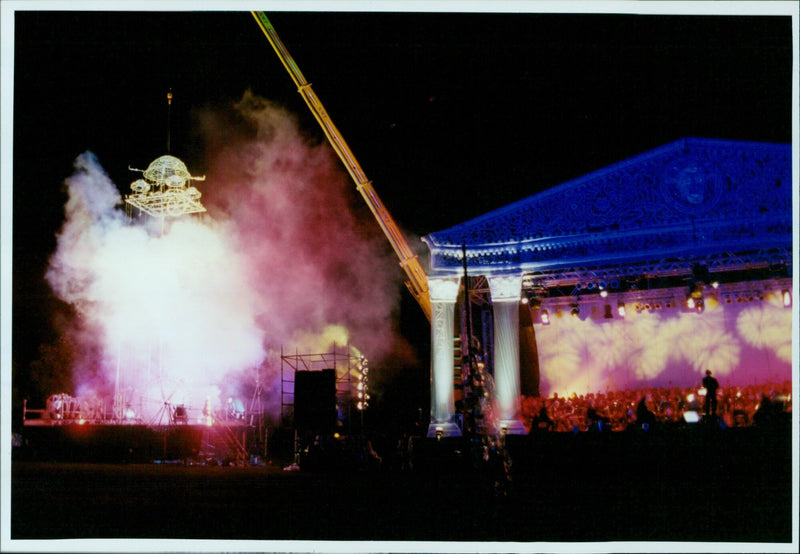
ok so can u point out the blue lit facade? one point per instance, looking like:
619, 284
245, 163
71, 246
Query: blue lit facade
670, 263
723, 202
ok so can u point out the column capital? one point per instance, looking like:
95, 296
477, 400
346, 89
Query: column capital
505, 288
443, 289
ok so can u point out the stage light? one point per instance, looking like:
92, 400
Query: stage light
691, 416
700, 304
603, 293
524, 300
439, 433
621, 309
715, 284
690, 303
787, 298
545, 317
575, 311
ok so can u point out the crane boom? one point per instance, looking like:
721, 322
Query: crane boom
417, 281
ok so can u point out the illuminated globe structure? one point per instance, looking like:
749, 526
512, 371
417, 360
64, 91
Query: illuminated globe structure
165, 189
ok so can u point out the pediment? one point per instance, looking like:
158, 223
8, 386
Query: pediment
692, 197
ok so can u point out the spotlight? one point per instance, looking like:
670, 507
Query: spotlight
621, 309
603, 293
524, 300
715, 284
545, 317
787, 298
439, 433
700, 305
690, 303
691, 416
575, 311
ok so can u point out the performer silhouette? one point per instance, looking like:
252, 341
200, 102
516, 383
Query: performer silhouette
711, 386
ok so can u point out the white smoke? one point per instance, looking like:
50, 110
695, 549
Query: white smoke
284, 258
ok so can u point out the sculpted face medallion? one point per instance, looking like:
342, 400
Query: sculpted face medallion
692, 188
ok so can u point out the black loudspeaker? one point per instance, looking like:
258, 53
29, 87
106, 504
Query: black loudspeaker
315, 401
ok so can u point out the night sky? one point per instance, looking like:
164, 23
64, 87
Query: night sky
450, 114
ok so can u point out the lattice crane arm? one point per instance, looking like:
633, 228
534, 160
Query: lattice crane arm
417, 282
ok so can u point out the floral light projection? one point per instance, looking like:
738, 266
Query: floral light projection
762, 326
742, 343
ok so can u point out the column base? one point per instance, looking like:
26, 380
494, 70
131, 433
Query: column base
511, 427
442, 430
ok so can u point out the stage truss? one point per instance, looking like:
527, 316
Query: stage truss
352, 377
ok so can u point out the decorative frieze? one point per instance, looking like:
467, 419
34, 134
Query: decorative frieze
695, 196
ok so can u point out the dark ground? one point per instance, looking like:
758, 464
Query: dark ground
698, 485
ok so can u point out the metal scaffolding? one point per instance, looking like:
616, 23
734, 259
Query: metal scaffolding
351, 370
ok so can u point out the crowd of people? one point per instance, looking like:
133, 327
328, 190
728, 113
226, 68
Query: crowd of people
643, 408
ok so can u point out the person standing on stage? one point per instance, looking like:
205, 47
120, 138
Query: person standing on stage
711, 386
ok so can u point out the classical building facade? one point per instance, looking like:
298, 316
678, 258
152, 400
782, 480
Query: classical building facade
692, 218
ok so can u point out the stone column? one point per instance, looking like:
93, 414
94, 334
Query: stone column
443, 294
506, 292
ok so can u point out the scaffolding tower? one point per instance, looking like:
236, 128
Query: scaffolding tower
351, 370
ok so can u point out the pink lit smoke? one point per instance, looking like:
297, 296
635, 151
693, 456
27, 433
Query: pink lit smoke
287, 256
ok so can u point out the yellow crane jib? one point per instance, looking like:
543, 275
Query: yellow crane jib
417, 282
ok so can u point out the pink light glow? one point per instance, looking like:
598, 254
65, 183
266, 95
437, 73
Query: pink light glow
741, 343
286, 256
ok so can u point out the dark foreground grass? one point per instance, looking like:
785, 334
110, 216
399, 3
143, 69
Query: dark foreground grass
731, 486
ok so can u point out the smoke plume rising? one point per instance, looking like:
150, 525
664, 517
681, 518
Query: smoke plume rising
286, 256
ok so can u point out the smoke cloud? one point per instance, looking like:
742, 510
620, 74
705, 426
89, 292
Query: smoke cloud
287, 256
